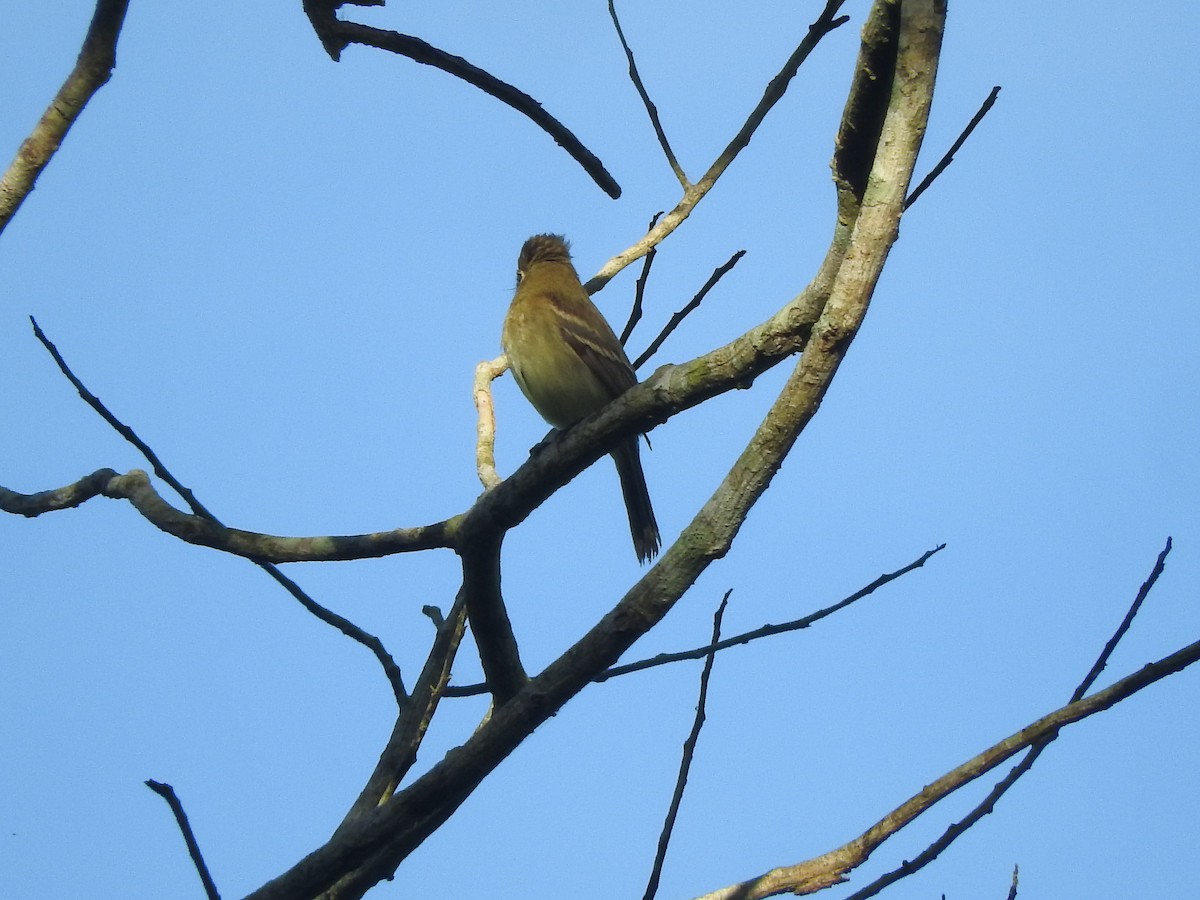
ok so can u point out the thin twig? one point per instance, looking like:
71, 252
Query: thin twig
663, 659
957, 829
1012, 888
717, 275
168, 793
651, 109
336, 34
121, 428
1107, 652
92, 70
949, 157
639, 290
831, 868
826, 22
342, 624
689, 753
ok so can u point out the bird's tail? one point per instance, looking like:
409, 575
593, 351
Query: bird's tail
642, 525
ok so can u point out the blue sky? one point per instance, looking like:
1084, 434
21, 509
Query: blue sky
282, 271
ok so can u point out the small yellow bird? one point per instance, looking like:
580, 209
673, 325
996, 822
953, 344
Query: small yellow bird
569, 363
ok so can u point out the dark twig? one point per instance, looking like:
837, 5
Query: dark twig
717, 275
92, 70
662, 659
121, 428
1106, 653
957, 829
651, 109
949, 157
168, 793
831, 868
1012, 888
770, 630
826, 22
689, 753
336, 34
345, 626
639, 290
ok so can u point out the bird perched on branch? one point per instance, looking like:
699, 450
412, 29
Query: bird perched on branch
569, 363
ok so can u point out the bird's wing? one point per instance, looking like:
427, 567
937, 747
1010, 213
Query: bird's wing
594, 343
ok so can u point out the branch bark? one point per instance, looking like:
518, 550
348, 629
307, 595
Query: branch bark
831, 868
93, 68
383, 838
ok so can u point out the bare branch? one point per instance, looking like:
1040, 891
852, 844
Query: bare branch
862, 239
985, 806
945, 161
1012, 888
639, 289
204, 531
832, 868
135, 487
1107, 652
768, 630
485, 423
651, 109
93, 68
400, 753
66, 497
490, 625
689, 752
185, 827
662, 659
692, 305
336, 34
826, 22
120, 427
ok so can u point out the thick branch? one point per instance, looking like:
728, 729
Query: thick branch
92, 70
389, 833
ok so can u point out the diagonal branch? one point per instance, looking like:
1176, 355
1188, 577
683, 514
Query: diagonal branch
189, 837
689, 753
985, 806
831, 868
718, 273
120, 427
336, 34
768, 630
945, 161
142, 495
826, 22
386, 836
662, 659
93, 68
651, 109
639, 288
400, 753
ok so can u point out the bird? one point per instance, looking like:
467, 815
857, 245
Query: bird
568, 363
